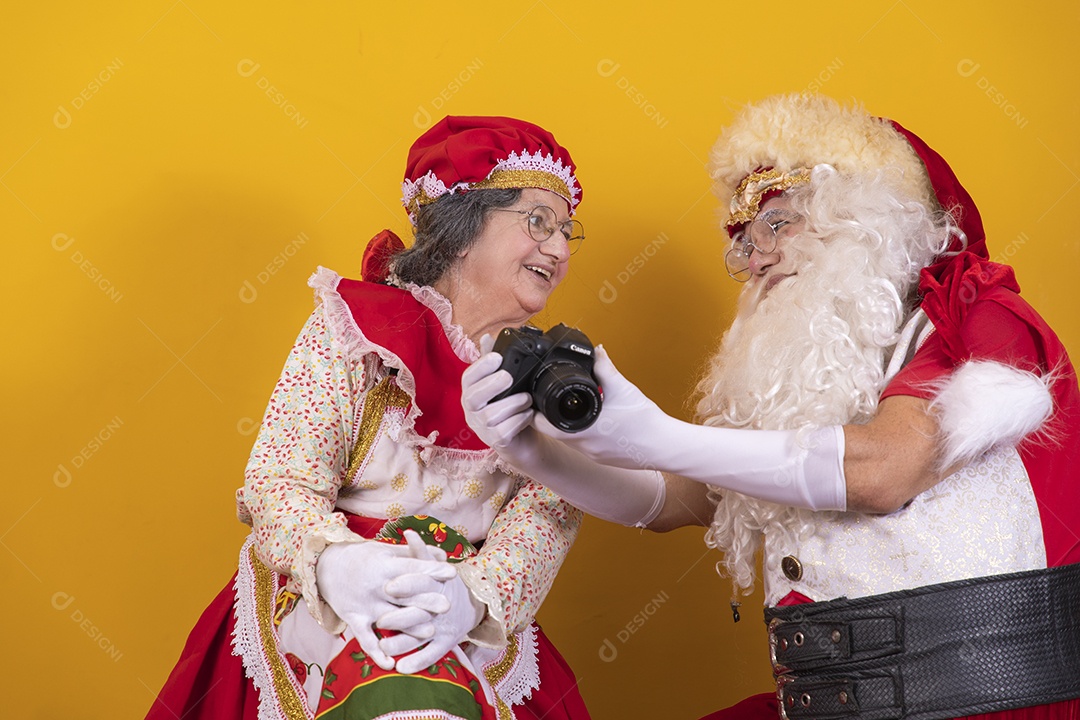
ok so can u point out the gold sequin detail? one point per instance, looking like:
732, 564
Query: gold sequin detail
432, 493
421, 198
395, 510
382, 397
497, 499
265, 591
746, 209
473, 488
504, 179
400, 482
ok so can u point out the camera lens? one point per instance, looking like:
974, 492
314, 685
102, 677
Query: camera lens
573, 405
567, 396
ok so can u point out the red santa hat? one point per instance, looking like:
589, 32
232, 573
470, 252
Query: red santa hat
459, 154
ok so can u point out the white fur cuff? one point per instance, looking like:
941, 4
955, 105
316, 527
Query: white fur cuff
984, 405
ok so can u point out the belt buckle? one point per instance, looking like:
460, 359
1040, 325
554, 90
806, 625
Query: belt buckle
782, 681
778, 669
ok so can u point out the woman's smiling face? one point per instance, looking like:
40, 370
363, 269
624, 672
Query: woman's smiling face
507, 272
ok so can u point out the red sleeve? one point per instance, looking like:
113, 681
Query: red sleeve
990, 331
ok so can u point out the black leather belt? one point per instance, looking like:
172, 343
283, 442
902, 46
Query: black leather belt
940, 651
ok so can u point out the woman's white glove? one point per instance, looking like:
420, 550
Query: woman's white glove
774, 465
625, 496
436, 615
437, 612
352, 578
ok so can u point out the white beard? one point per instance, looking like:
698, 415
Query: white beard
809, 354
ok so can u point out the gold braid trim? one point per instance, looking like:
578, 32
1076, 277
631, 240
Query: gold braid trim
379, 399
496, 673
504, 179
265, 592
746, 202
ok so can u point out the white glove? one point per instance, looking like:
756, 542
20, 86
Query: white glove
625, 496
352, 578
632, 432
451, 612
439, 613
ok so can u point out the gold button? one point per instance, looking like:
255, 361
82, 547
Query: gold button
792, 568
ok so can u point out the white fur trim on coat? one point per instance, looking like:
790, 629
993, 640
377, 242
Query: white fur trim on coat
985, 405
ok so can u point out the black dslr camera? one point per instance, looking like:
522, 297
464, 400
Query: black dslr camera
556, 368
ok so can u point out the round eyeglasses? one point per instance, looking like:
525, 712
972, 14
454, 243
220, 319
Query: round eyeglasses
542, 222
761, 236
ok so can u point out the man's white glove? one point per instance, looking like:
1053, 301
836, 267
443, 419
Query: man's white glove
774, 465
625, 496
352, 578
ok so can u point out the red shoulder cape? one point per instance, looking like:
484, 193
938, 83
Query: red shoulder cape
393, 319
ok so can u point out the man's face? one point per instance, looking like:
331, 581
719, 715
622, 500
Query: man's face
777, 226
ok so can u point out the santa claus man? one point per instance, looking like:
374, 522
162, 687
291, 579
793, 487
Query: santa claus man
886, 419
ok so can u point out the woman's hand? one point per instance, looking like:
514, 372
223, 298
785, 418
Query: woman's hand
435, 614
353, 579
628, 497
496, 423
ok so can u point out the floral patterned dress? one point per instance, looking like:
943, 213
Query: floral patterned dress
363, 435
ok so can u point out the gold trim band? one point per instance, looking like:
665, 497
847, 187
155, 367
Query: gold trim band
381, 398
746, 202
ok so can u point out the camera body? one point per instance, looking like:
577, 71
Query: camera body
556, 368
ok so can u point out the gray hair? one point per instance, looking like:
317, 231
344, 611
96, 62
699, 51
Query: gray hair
444, 229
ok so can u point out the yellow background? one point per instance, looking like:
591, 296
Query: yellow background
173, 170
